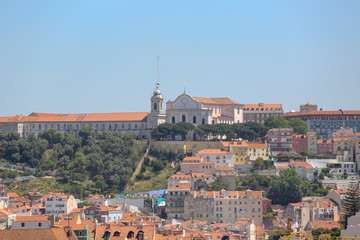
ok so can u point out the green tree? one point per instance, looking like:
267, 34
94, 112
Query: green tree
286, 188
271, 122
258, 164
299, 126
351, 204
85, 133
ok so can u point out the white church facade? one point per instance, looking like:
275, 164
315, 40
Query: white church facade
185, 108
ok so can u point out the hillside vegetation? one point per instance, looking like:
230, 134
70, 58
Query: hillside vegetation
102, 165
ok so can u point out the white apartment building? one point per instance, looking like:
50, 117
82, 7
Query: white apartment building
58, 204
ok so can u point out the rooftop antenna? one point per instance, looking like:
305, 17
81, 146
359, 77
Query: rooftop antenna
158, 72
184, 89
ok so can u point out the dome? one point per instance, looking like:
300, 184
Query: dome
157, 92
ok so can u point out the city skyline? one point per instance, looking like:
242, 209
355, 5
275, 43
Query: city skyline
89, 57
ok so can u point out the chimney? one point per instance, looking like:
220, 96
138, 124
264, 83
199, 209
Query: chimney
52, 220
321, 109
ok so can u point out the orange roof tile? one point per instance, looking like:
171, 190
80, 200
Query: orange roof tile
83, 117
197, 163
181, 186
31, 218
262, 107
216, 101
257, 145
3, 212
13, 195
192, 159
302, 164
213, 151
326, 224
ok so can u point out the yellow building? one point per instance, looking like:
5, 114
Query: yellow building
257, 150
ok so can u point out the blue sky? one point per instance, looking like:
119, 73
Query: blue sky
100, 56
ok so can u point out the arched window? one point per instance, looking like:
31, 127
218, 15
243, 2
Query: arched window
183, 118
39, 126
45, 126
109, 126
155, 106
107, 235
130, 234
140, 235
194, 119
203, 121
116, 234
58, 127
135, 125
173, 120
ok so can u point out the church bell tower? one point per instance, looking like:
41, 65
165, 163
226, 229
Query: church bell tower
157, 115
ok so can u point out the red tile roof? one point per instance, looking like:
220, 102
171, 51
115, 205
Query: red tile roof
262, 107
216, 101
83, 117
31, 218
213, 151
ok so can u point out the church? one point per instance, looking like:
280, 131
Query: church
185, 108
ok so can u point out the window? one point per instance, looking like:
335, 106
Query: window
130, 234
203, 121
194, 119
155, 106
22, 224
183, 118
173, 120
116, 234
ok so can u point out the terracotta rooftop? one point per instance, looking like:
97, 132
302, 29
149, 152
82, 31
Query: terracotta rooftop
314, 113
213, 151
216, 101
261, 107
83, 117
302, 164
31, 218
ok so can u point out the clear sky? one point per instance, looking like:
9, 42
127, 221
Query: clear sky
100, 56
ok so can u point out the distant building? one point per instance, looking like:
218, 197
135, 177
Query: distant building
308, 107
175, 200
31, 222
97, 200
219, 157
139, 123
224, 206
280, 140
259, 112
202, 110
58, 204
325, 123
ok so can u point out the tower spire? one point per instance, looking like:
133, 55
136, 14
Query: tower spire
158, 73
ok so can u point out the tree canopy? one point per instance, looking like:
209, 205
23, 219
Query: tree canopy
106, 163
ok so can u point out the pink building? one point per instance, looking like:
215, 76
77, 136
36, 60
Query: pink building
200, 167
97, 200
325, 147
30, 222
300, 143
280, 140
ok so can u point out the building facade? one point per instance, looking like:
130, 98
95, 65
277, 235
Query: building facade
201, 110
139, 123
224, 206
325, 123
259, 112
